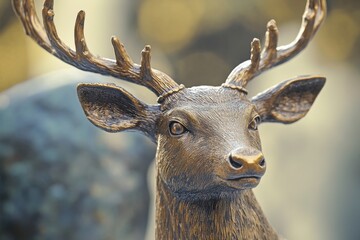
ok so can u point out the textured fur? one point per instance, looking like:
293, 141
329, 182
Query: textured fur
235, 217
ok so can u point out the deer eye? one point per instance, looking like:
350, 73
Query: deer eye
176, 128
254, 123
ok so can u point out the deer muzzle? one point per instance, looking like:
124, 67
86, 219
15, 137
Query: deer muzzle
246, 163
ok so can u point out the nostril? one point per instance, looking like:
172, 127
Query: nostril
262, 163
235, 164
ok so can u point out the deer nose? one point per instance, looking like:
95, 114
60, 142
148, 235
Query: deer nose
248, 160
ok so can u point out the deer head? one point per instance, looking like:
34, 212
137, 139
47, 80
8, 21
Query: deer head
207, 137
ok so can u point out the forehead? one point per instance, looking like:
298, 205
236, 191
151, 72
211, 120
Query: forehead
207, 97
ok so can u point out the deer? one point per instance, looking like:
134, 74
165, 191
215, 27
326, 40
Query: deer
209, 155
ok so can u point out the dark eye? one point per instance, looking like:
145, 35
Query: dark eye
254, 123
176, 128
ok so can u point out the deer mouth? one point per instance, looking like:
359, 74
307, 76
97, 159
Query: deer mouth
242, 182
240, 178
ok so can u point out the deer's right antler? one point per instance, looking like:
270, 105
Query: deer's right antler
272, 55
123, 67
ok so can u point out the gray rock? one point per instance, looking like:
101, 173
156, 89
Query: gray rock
63, 178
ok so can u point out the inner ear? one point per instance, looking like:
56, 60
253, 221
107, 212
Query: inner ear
113, 109
290, 100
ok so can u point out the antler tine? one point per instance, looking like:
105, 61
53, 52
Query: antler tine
272, 55
247, 69
123, 67
32, 26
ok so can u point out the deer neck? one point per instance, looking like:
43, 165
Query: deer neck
238, 217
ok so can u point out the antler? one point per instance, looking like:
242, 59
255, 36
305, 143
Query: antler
123, 67
272, 55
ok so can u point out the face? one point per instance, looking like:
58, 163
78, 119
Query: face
208, 143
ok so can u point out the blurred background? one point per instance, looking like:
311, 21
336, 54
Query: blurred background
312, 186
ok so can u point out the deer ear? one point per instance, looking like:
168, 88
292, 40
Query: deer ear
113, 109
288, 101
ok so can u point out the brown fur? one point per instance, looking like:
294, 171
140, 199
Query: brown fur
235, 217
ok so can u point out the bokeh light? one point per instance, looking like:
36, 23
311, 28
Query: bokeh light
171, 24
341, 33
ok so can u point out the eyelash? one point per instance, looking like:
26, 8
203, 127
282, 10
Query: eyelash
253, 125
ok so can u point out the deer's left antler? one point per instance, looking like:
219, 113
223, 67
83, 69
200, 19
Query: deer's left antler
273, 55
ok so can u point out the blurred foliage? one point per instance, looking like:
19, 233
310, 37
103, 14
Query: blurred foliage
173, 24
5, 14
342, 35
13, 57
205, 34
63, 178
